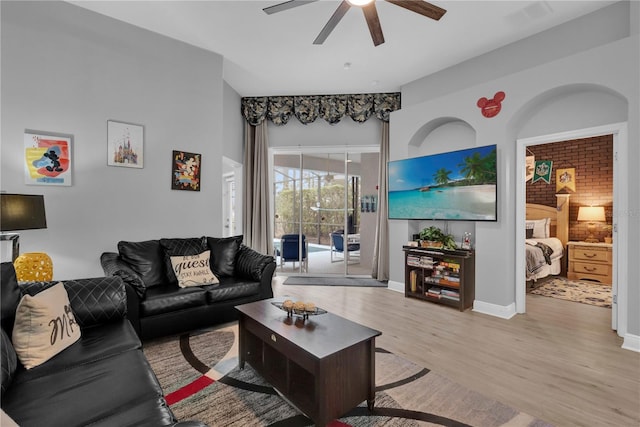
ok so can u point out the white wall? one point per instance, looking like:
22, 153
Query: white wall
68, 70
581, 34
594, 86
233, 129
233, 151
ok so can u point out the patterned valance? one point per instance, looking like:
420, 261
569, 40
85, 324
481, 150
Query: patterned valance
360, 107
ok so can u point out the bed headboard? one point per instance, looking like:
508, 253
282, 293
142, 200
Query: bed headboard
559, 215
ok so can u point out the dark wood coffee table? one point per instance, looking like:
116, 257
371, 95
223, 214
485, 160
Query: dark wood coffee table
324, 365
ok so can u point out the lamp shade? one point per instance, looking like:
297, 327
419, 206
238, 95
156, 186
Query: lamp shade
591, 213
22, 212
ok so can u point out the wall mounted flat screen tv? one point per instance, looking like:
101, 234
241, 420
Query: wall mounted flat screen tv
458, 185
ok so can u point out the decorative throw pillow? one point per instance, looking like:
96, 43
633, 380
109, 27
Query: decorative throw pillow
541, 228
193, 270
223, 254
529, 229
180, 247
6, 420
45, 325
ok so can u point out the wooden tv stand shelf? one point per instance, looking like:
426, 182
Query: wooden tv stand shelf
439, 275
590, 261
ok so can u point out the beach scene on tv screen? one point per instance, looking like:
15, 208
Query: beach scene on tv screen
458, 185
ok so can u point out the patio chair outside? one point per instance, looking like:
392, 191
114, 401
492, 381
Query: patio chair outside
337, 245
289, 250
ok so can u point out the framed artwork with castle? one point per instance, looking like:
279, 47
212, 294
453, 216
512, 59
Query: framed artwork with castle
125, 143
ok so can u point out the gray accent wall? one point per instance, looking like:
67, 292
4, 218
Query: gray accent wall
69, 70
233, 128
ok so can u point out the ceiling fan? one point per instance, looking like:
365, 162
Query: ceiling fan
370, 13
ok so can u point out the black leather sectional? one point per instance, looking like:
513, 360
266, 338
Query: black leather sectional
103, 379
157, 306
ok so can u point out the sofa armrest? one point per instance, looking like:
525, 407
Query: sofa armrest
94, 301
113, 265
252, 264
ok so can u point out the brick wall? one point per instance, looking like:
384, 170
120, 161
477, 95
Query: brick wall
592, 159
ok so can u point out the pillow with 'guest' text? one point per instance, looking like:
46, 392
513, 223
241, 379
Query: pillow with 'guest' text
193, 270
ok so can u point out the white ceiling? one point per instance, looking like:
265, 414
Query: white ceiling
274, 55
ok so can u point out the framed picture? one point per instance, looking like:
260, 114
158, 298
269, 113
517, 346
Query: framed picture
47, 158
125, 144
186, 171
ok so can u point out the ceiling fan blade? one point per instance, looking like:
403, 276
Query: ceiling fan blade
333, 21
371, 14
280, 7
422, 7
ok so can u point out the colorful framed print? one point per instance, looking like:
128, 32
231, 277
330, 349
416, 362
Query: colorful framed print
186, 171
125, 144
47, 158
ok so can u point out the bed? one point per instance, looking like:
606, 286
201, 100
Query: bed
547, 230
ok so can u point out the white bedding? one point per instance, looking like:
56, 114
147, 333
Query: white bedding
545, 269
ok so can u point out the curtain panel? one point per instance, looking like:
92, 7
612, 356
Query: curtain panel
331, 108
380, 269
256, 223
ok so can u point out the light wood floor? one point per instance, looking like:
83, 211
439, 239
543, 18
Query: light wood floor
560, 362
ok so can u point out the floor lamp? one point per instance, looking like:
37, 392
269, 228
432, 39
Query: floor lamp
24, 212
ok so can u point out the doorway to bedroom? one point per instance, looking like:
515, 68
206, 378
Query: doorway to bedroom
578, 175
588, 157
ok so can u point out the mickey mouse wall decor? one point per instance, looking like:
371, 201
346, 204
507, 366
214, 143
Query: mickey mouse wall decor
491, 107
47, 157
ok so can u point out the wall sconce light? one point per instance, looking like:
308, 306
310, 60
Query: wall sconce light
591, 214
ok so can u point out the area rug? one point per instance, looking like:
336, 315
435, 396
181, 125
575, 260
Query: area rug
199, 374
586, 292
334, 281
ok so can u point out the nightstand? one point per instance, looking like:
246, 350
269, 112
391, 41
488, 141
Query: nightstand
590, 261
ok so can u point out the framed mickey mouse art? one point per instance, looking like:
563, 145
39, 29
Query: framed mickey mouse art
47, 157
186, 171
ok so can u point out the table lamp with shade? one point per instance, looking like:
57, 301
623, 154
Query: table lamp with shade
25, 212
591, 214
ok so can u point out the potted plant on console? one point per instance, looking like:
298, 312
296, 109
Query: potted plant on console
434, 237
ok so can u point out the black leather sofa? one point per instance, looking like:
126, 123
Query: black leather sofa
157, 306
103, 379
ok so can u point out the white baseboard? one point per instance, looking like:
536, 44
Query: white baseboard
631, 342
395, 286
504, 312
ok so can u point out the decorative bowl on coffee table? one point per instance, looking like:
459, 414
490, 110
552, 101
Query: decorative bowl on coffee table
300, 313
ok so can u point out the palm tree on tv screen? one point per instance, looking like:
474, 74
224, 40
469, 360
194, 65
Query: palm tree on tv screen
442, 176
478, 169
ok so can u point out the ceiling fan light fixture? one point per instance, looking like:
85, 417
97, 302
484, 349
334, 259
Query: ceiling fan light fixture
359, 3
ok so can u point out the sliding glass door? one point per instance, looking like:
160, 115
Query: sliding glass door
323, 222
